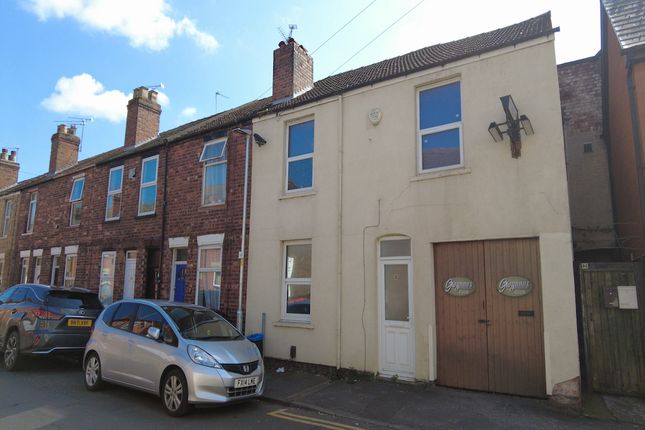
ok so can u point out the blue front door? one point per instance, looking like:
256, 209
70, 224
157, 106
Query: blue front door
180, 282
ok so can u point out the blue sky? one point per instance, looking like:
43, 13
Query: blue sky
83, 58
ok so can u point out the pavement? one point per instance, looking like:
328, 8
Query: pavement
398, 405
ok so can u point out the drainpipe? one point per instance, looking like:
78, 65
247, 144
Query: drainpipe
163, 218
339, 279
248, 134
636, 136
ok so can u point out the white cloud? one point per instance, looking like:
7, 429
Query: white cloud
189, 112
144, 22
84, 95
162, 99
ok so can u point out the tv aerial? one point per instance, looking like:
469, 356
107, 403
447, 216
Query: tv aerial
78, 121
286, 36
218, 94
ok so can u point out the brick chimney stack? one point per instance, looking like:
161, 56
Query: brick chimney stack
143, 116
65, 144
293, 71
8, 168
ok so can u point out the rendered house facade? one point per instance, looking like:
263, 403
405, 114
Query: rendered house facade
388, 229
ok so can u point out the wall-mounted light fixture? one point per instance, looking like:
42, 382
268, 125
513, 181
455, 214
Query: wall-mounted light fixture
512, 126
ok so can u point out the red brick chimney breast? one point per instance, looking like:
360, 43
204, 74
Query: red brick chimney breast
64, 152
142, 122
293, 71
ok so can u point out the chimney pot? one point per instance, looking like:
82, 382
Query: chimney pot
12, 156
8, 170
3, 154
62, 128
72, 130
152, 96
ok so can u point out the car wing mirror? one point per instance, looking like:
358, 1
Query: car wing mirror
154, 333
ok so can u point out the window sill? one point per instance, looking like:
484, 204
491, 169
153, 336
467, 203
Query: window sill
27, 234
144, 216
214, 205
296, 194
111, 220
293, 324
441, 174
75, 226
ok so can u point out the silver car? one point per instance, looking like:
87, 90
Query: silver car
185, 354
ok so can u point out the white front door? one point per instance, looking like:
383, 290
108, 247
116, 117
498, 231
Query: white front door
130, 270
397, 329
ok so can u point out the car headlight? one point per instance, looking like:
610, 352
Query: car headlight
199, 356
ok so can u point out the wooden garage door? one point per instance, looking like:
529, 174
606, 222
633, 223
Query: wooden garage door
488, 340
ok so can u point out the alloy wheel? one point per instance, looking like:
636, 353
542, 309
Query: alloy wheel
11, 351
173, 393
92, 371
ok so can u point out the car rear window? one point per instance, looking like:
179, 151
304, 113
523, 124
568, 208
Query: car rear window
73, 300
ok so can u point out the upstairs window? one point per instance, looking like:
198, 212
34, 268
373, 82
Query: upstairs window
214, 182
115, 187
439, 134
76, 198
8, 207
300, 156
148, 190
31, 214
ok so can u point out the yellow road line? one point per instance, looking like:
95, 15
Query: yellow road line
290, 416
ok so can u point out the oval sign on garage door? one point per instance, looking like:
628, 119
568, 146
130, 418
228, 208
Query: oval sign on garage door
459, 287
514, 286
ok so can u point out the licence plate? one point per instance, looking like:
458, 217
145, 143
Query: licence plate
79, 323
246, 382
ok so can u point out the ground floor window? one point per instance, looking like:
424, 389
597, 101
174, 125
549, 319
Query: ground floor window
55, 269
296, 281
70, 270
24, 269
38, 261
209, 276
106, 286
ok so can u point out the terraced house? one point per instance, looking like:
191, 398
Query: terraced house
411, 219
158, 217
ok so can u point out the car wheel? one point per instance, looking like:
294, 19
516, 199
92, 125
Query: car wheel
93, 379
12, 359
174, 393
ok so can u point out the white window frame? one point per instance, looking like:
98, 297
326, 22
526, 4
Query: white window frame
438, 129
1, 268
24, 270
74, 202
73, 277
149, 184
8, 208
115, 192
31, 214
215, 161
303, 318
298, 158
108, 278
208, 270
55, 266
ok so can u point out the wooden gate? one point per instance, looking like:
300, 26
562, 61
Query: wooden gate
612, 300
489, 316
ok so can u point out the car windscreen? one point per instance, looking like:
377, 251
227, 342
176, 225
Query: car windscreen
201, 324
73, 300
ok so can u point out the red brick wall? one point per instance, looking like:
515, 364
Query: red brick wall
624, 175
8, 173
588, 172
184, 217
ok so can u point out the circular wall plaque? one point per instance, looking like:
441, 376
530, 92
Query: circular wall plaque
375, 116
459, 287
514, 286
